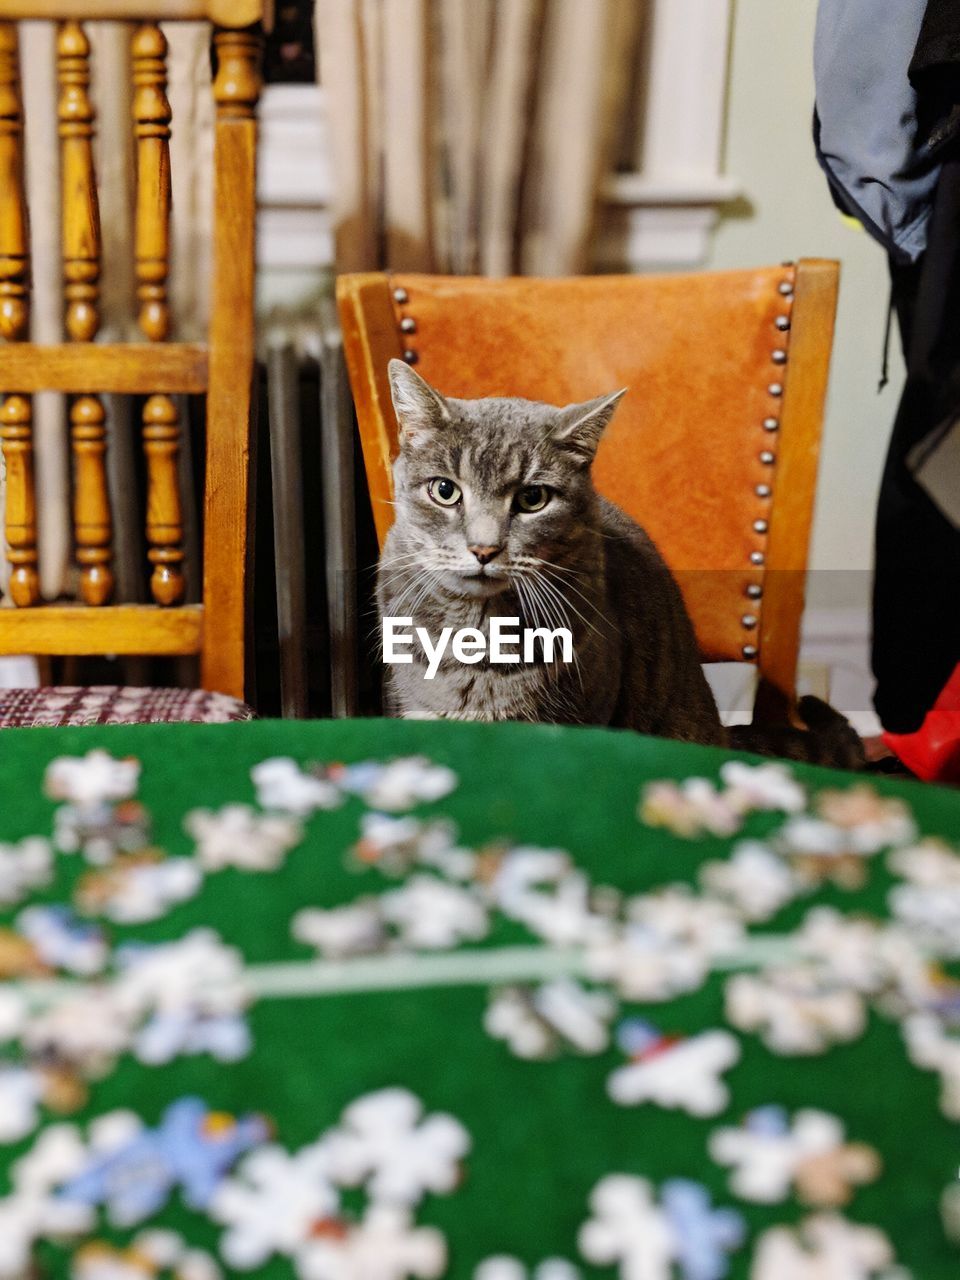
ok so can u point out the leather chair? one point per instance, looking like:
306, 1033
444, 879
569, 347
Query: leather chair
714, 450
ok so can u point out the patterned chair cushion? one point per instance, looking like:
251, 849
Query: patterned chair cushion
111, 704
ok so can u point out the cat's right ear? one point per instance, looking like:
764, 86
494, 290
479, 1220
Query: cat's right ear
418, 407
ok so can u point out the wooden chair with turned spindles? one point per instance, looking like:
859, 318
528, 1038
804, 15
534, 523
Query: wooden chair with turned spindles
221, 370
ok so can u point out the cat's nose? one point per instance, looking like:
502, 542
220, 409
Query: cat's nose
485, 554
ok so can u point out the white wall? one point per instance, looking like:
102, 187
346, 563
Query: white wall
768, 149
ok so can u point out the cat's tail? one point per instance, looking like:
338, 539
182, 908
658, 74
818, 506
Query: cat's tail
828, 738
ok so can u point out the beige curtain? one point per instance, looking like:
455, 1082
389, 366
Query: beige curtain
471, 135
191, 170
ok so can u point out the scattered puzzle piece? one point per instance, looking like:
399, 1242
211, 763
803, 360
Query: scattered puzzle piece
537, 1022
149, 1255
238, 836
931, 914
794, 1011
703, 1236
191, 1149
873, 822
394, 845
772, 1154
137, 888
430, 913
644, 965
384, 1245
761, 787
274, 1204
354, 930
24, 866
91, 780
627, 1229
689, 809
282, 785
675, 1072
823, 1247
400, 784
648, 1240
20, 1090
63, 941
502, 1266
932, 1047
386, 1144
754, 880
931, 863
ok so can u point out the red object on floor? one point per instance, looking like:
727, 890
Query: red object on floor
933, 752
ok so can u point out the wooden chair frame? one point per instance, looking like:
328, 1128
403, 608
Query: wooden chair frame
372, 336
221, 369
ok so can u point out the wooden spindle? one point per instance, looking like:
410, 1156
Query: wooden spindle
161, 427
16, 433
92, 525
81, 209
151, 116
14, 263
236, 87
16, 430
93, 528
161, 435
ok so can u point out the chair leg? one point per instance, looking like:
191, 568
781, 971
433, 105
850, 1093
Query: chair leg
336, 430
288, 530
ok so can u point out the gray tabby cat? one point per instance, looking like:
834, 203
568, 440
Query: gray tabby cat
496, 515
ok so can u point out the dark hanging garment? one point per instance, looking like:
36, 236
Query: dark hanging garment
916, 601
887, 133
935, 76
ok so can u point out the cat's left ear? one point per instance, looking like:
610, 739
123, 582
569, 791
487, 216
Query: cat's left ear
418, 407
580, 426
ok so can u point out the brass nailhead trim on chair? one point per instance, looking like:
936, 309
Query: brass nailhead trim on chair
779, 355
406, 324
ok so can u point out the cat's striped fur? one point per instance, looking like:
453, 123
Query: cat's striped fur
579, 562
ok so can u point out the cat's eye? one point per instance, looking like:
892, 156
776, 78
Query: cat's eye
532, 498
444, 492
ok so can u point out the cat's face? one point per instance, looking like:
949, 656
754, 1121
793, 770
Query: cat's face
486, 489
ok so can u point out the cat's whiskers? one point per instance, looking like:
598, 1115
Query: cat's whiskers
591, 603
555, 591
550, 609
419, 585
535, 562
432, 580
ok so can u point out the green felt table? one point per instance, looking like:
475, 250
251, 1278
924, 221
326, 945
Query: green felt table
543, 1133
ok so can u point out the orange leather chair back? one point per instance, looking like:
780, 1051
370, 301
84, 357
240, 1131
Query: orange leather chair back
713, 450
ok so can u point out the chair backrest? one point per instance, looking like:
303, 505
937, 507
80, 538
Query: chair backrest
714, 450
221, 369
